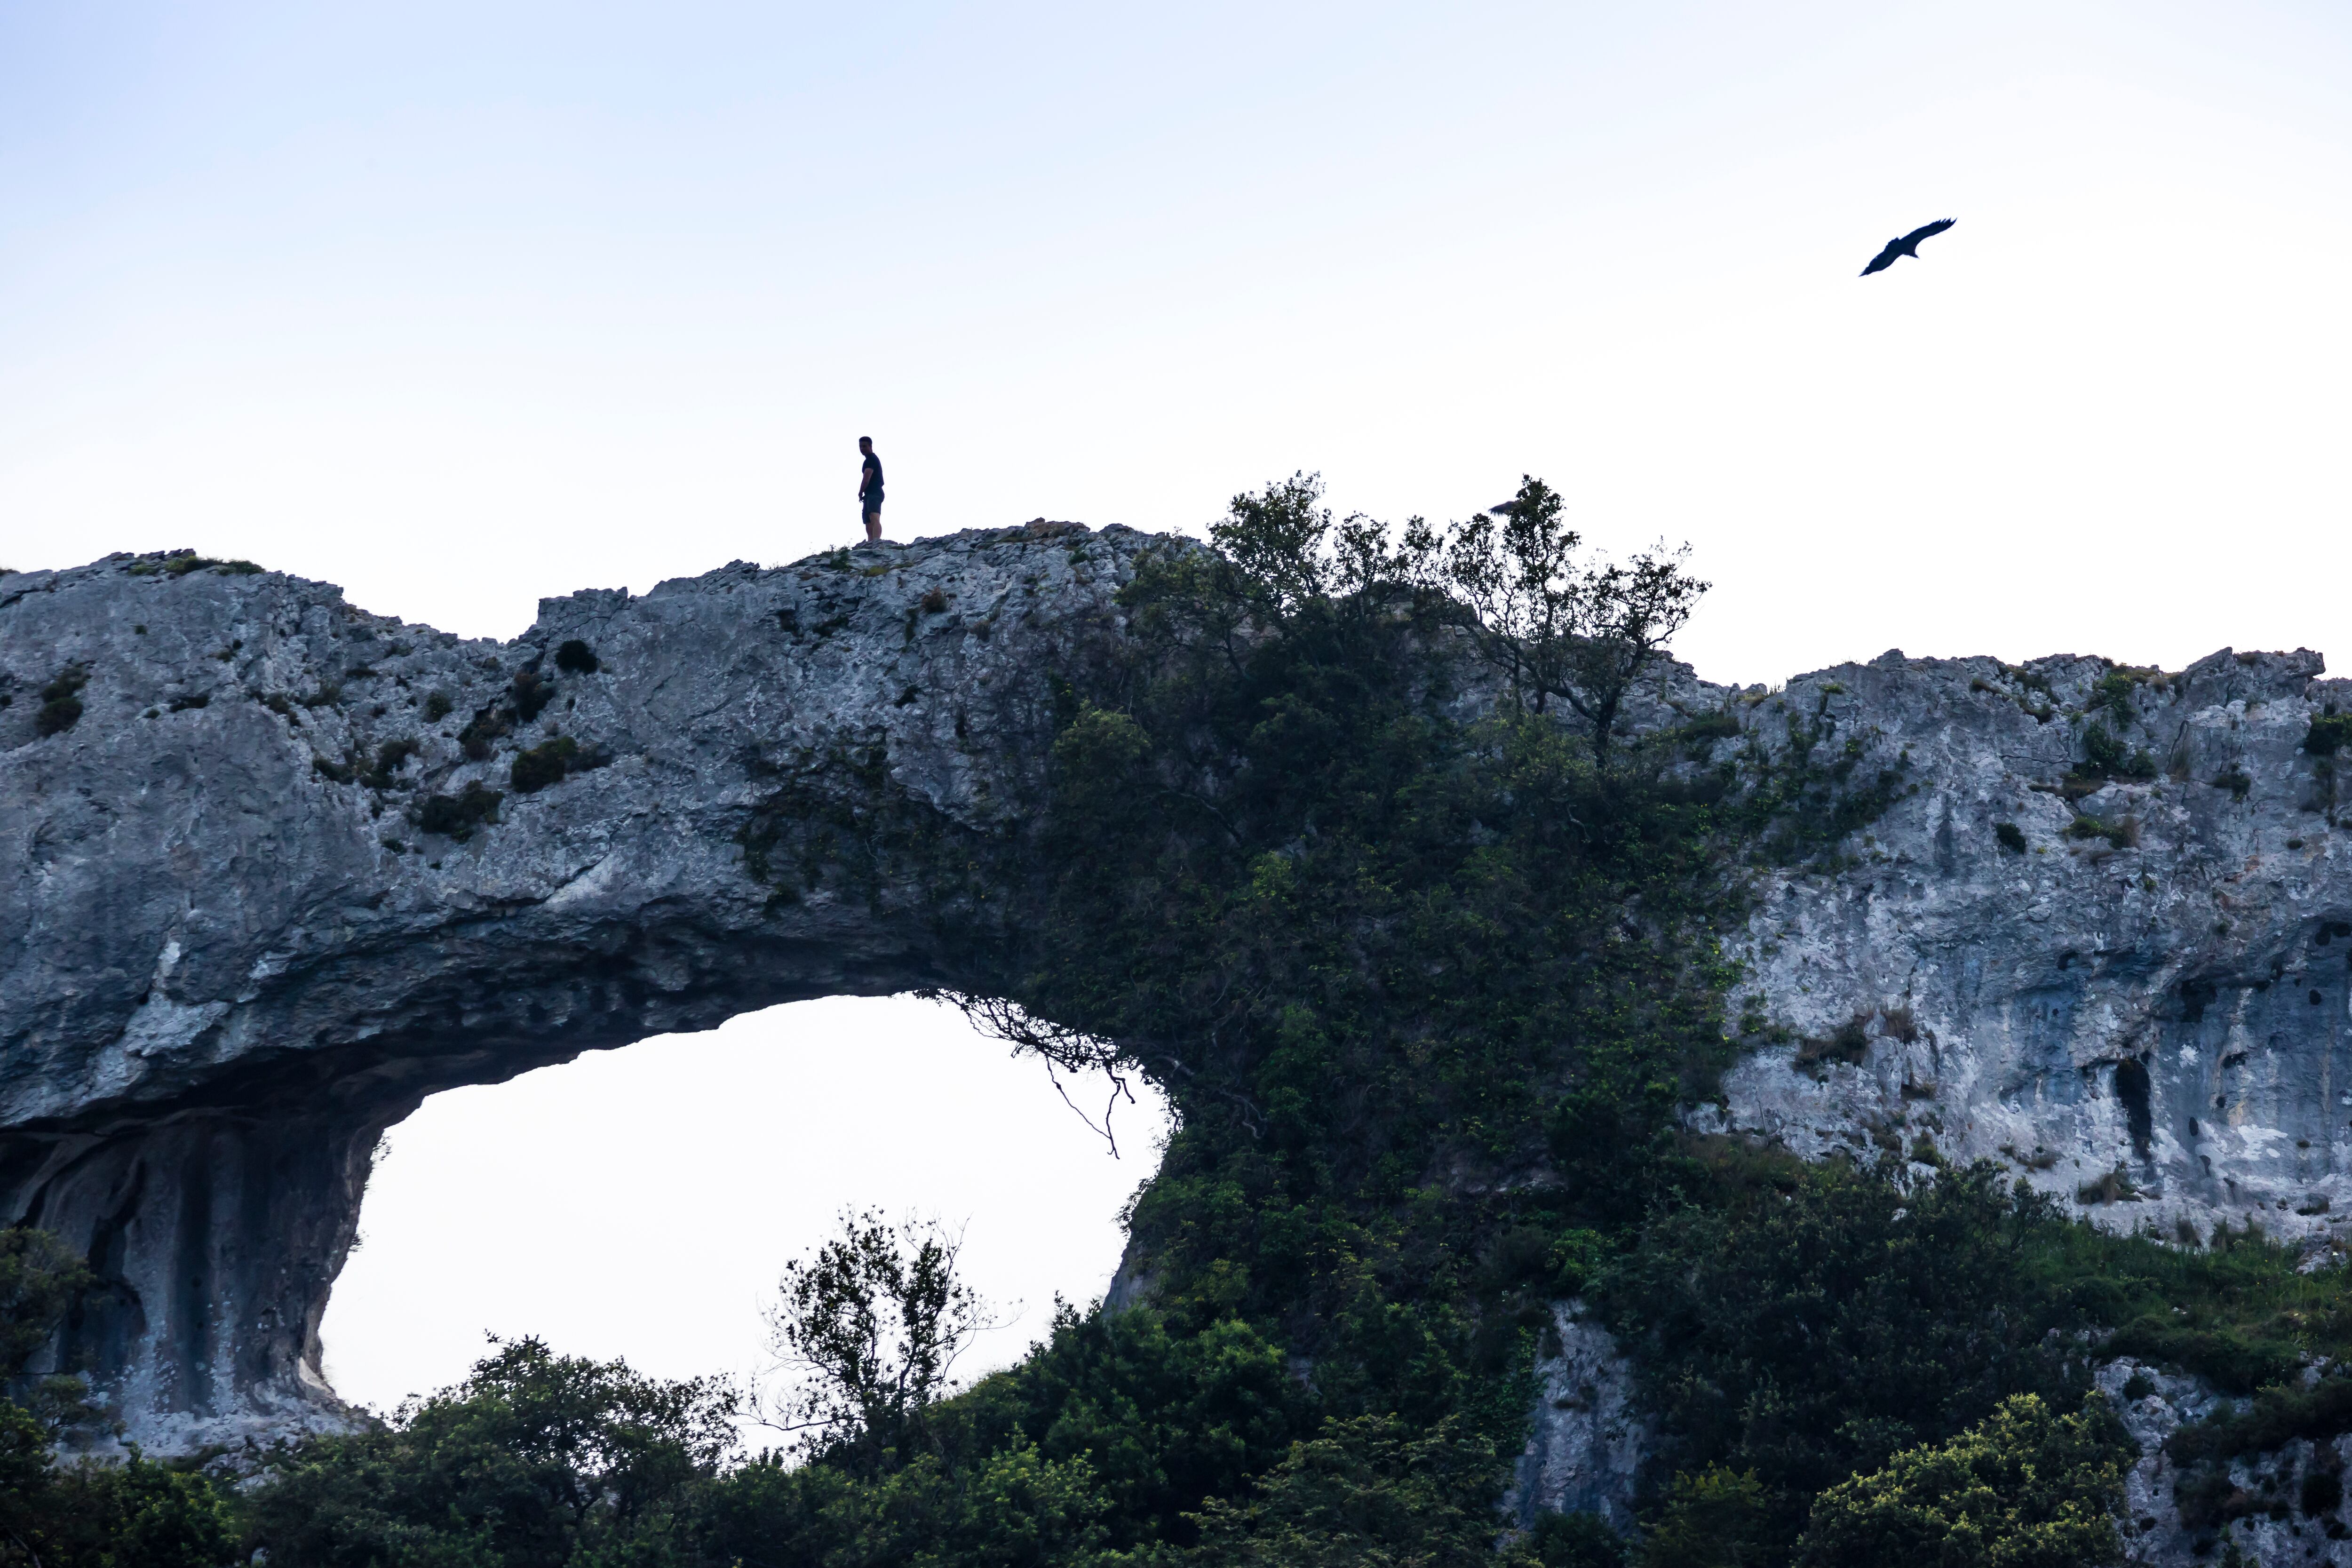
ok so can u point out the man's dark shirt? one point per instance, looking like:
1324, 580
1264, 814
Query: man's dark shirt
870, 488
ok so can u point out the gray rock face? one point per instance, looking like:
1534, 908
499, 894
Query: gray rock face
254, 913
2269, 1524
230, 956
1588, 1439
2142, 1007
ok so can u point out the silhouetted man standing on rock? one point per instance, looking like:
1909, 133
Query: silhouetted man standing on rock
869, 490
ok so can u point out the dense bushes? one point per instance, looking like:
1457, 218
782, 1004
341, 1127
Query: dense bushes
535, 1461
2024, 1489
1801, 1330
1084, 1454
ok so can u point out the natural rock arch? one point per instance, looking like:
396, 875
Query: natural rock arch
230, 954
223, 980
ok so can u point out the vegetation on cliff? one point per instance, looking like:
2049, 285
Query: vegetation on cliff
1426, 968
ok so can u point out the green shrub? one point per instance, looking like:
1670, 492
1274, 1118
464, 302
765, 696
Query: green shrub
2235, 780
484, 727
437, 706
1575, 1541
2114, 1187
40, 1280
390, 758
1709, 727
61, 701
532, 692
2012, 836
86, 1515
2234, 1358
575, 658
2328, 734
1849, 1042
2024, 1489
1716, 1518
2105, 756
457, 816
181, 564
2102, 751
1366, 1489
551, 760
2121, 835
543, 764
2115, 689
100, 1515
2279, 1414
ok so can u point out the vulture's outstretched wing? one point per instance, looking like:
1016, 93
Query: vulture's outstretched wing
1884, 259
1907, 246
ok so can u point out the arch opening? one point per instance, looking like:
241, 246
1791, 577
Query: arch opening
640, 1202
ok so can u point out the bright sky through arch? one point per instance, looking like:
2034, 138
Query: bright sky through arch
462, 306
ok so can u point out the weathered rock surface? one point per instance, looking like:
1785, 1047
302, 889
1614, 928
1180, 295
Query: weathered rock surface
2154, 1532
1589, 1438
230, 957
230, 954
2158, 1014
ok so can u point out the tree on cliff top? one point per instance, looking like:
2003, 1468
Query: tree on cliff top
1554, 622
1582, 631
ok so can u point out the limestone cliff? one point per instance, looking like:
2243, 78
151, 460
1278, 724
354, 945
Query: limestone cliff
2143, 991
261, 901
277, 868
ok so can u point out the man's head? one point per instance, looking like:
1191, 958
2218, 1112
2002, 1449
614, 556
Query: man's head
866, 445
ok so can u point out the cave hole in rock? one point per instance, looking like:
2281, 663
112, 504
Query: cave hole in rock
2131, 1088
641, 1203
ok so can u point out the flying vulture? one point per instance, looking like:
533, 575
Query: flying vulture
1908, 246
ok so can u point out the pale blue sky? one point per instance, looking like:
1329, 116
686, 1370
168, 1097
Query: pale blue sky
458, 306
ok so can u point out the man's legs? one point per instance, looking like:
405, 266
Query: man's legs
873, 525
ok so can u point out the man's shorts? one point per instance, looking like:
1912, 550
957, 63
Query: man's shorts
873, 506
